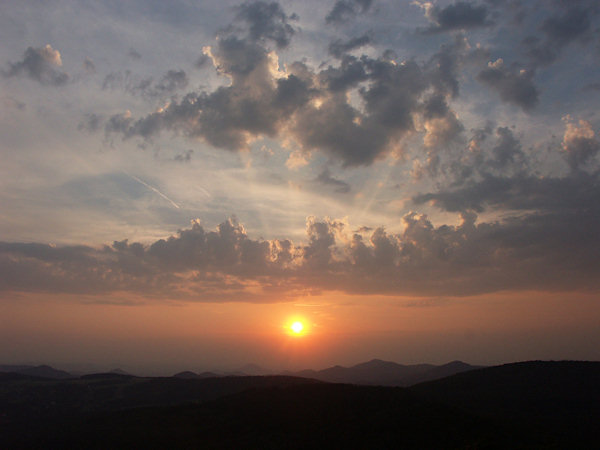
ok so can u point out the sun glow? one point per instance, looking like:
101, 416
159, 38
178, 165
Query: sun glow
297, 327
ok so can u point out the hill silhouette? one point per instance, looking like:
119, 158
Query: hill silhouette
521, 405
385, 373
43, 371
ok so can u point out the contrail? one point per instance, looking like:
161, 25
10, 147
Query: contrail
154, 189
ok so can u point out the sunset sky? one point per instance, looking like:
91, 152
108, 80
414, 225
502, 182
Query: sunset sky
413, 181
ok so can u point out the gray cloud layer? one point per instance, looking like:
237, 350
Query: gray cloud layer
553, 250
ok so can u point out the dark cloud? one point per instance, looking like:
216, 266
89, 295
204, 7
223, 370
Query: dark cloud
345, 10
507, 152
350, 72
520, 192
338, 47
501, 179
559, 30
325, 178
514, 85
457, 16
573, 24
39, 64
267, 21
524, 251
171, 81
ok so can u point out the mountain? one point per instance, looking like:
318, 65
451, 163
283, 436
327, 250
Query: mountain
42, 371
385, 373
186, 375
523, 405
541, 388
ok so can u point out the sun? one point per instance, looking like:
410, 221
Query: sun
297, 327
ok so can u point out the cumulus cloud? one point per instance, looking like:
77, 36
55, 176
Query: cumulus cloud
579, 144
311, 108
338, 47
442, 125
267, 21
40, 64
456, 16
514, 85
345, 10
519, 252
497, 176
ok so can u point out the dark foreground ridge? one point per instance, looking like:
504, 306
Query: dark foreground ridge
522, 405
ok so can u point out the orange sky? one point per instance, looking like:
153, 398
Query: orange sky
159, 338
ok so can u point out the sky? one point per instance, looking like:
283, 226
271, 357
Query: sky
415, 181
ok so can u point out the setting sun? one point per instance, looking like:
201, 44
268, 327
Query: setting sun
297, 327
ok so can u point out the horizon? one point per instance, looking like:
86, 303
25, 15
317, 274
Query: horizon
89, 368
299, 184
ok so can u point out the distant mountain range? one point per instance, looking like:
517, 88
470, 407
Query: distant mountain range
385, 373
375, 372
42, 371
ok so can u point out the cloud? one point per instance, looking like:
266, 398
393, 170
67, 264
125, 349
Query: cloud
513, 85
356, 110
311, 108
456, 16
442, 125
498, 177
345, 10
267, 21
338, 48
325, 178
579, 144
559, 31
523, 251
39, 64
169, 83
